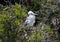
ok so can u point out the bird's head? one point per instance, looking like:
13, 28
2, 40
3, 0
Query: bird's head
31, 13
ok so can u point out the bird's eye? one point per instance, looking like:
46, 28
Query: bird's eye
31, 13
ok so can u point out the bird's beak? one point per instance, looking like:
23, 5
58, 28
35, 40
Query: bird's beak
35, 14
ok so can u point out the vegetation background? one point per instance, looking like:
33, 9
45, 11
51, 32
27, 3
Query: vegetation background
14, 12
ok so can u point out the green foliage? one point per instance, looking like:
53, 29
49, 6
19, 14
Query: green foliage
36, 36
17, 9
1, 27
35, 5
48, 29
0, 40
12, 18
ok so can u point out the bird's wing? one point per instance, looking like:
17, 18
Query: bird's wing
27, 20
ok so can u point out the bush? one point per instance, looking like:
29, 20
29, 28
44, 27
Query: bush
10, 21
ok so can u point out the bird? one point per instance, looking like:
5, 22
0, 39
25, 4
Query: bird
30, 20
